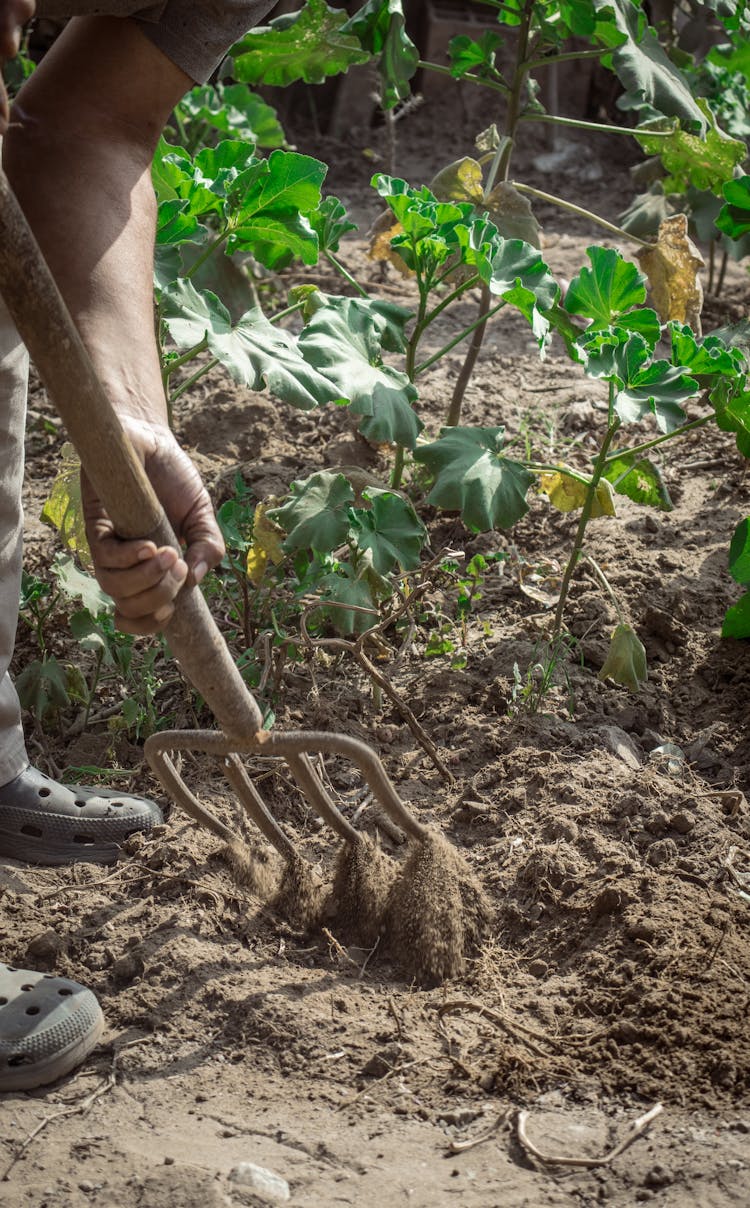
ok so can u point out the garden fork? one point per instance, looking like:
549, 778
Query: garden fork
120, 481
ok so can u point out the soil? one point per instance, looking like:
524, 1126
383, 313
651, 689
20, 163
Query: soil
614, 972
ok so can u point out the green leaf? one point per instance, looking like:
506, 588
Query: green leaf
77, 585
705, 358
626, 659
639, 479
42, 687
330, 223
317, 515
309, 46
390, 529
731, 403
380, 28
734, 216
521, 277
736, 619
175, 223
610, 288
652, 83
255, 352
705, 161
87, 633
232, 109
476, 57
270, 219
472, 476
344, 341
351, 588
658, 388
739, 553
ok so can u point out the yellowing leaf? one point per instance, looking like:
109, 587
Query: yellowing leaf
64, 509
507, 208
567, 494
382, 231
626, 660
459, 181
672, 266
265, 546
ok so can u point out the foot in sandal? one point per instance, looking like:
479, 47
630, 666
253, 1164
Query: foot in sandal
48, 1026
44, 822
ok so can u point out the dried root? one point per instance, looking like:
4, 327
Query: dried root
364, 878
437, 912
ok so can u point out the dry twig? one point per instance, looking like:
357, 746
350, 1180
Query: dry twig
636, 1128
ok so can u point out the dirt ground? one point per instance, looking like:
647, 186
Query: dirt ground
615, 973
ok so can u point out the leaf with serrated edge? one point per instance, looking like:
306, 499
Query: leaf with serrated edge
317, 515
737, 619
473, 477
390, 529
610, 288
77, 585
308, 46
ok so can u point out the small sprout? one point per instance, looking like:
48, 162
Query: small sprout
626, 660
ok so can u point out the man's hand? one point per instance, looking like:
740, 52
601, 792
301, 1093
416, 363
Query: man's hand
13, 15
141, 579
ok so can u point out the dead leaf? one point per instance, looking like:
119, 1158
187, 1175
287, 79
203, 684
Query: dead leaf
507, 208
567, 494
672, 266
266, 545
382, 231
64, 509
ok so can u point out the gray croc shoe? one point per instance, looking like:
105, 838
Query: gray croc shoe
48, 1025
43, 822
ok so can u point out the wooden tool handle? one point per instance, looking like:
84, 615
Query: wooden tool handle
108, 457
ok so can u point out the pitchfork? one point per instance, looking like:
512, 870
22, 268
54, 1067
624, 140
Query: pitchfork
434, 910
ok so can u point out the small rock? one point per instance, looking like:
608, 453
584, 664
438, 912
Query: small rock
45, 950
661, 852
127, 968
85, 1186
262, 1180
682, 822
538, 968
740, 1126
609, 901
621, 745
382, 1062
658, 1176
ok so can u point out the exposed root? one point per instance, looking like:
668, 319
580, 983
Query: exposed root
437, 912
301, 895
254, 869
363, 880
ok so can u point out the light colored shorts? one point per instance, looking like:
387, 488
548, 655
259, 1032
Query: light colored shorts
194, 34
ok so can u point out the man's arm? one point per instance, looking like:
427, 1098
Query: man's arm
13, 16
78, 154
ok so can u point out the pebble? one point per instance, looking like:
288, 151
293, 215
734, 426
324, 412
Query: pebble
621, 745
262, 1180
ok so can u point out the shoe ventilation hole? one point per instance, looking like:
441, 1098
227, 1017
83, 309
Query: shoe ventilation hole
64, 992
27, 987
34, 831
84, 839
80, 804
45, 792
32, 1010
3, 1002
117, 804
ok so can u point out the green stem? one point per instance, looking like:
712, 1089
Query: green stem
186, 356
199, 373
345, 273
288, 310
411, 357
451, 297
209, 251
588, 504
94, 683
566, 57
580, 124
607, 587
497, 87
541, 467
659, 440
574, 209
457, 339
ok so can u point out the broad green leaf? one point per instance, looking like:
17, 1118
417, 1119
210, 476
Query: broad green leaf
270, 221
167, 266
652, 83
739, 553
659, 389
521, 277
42, 687
626, 659
309, 46
330, 223
732, 408
736, 620
705, 358
175, 223
390, 529
380, 28
705, 161
475, 57
88, 634
317, 515
255, 352
639, 479
610, 288
473, 477
734, 216
171, 171
352, 589
233, 109
64, 509
77, 585
344, 341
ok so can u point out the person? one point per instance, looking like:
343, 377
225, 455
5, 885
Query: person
77, 149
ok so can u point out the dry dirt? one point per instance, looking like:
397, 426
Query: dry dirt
615, 972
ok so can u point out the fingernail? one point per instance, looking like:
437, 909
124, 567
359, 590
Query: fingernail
145, 553
166, 559
200, 571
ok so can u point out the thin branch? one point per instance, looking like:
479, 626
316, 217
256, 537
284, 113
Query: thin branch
636, 1128
579, 210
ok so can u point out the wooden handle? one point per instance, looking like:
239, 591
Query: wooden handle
108, 457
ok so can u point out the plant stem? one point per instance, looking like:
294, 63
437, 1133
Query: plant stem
659, 440
470, 360
411, 357
192, 380
607, 586
579, 210
288, 310
566, 57
722, 271
94, 683
178, 362
457, 339
451, 297
345, 273
208, 251
588, 504
541, 467
459, 80
580, 124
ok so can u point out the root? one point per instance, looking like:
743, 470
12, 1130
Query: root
437, 912
363, 881
254, 869
301, 896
